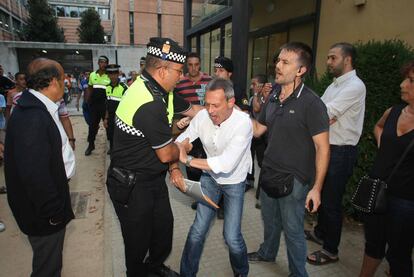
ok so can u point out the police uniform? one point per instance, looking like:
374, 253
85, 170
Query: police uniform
114, 94
143, 125
97, 103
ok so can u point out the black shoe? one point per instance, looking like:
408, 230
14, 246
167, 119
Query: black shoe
254, 257
220, 213
164, 271
89, 150
194, 205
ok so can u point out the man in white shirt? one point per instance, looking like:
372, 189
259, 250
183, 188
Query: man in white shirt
345, 103
38, 163
226, 134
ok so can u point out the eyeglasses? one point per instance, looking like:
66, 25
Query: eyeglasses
180, 71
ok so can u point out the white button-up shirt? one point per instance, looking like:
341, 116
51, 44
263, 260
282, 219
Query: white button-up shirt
227, 146
67, 151
345, 102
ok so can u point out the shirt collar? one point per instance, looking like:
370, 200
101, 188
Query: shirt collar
146, 76
296, 93
51, 106
343, 78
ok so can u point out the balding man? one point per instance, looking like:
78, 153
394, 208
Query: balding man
38, 163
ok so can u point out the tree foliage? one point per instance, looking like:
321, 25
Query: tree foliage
42, 24
90, 30
378, 65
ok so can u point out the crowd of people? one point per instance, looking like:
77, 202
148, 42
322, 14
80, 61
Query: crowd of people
306, 147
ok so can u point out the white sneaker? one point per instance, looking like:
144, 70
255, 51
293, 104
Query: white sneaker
2, 226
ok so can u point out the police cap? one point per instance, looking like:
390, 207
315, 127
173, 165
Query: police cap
223, 62
103, 58
111, 68
166, 49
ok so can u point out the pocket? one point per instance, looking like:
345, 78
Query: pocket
118, 191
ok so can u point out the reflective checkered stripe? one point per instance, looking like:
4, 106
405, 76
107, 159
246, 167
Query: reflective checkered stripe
172, 56
128, 129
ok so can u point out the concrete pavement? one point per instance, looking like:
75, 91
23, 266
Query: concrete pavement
94, 245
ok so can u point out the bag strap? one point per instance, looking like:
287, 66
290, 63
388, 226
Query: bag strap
400, 160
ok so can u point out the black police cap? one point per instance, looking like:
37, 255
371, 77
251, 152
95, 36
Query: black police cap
223, 62
166, 49
112, 68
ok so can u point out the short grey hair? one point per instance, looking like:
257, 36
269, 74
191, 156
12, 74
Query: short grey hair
220, 83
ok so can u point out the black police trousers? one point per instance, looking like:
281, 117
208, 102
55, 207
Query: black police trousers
146, 225
97, 113
111, 126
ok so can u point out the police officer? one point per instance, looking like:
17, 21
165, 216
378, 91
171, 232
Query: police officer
143, 151
96, 97
114, 93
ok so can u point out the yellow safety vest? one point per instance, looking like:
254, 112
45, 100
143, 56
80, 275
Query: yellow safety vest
137, 95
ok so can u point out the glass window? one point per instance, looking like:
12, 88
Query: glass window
74, 11
103, 13
205, 52
131, 28
81, 10
227, 39
215, 46
194, 44
61, 11
265, 49
259, 55
204, 9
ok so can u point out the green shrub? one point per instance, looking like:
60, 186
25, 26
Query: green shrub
378, 64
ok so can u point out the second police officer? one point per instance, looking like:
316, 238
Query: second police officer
95, 96
114, 92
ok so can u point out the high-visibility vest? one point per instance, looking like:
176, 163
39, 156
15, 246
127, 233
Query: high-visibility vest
137, 95
115, 93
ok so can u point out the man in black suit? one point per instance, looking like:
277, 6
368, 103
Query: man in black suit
38, 163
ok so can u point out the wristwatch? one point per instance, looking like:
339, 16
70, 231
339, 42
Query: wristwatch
188, 161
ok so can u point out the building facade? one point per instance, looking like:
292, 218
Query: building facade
69, 12
251, 32
13, 15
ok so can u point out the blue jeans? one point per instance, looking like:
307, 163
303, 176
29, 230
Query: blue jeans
330, 215
233, 208
287, 214
400, 236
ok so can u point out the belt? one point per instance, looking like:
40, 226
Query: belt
129, 176
333, 146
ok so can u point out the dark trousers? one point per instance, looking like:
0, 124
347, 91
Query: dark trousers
47, 254
330, 214
86, 113
97, 113
257, 149
400, 236
110, 129
147, 226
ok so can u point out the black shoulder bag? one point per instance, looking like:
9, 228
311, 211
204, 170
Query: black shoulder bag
370, 196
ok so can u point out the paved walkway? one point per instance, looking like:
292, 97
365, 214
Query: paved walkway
94, 245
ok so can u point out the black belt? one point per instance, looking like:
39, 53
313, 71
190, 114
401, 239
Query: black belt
333, 146
128, 176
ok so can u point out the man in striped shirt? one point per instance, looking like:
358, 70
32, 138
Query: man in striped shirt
192, 86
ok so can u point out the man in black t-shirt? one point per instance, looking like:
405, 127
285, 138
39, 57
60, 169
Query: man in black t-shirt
296, 157
142, 152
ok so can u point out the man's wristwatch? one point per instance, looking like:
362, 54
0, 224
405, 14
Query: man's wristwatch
188, 161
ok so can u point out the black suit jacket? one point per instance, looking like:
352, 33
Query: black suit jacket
37, 186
